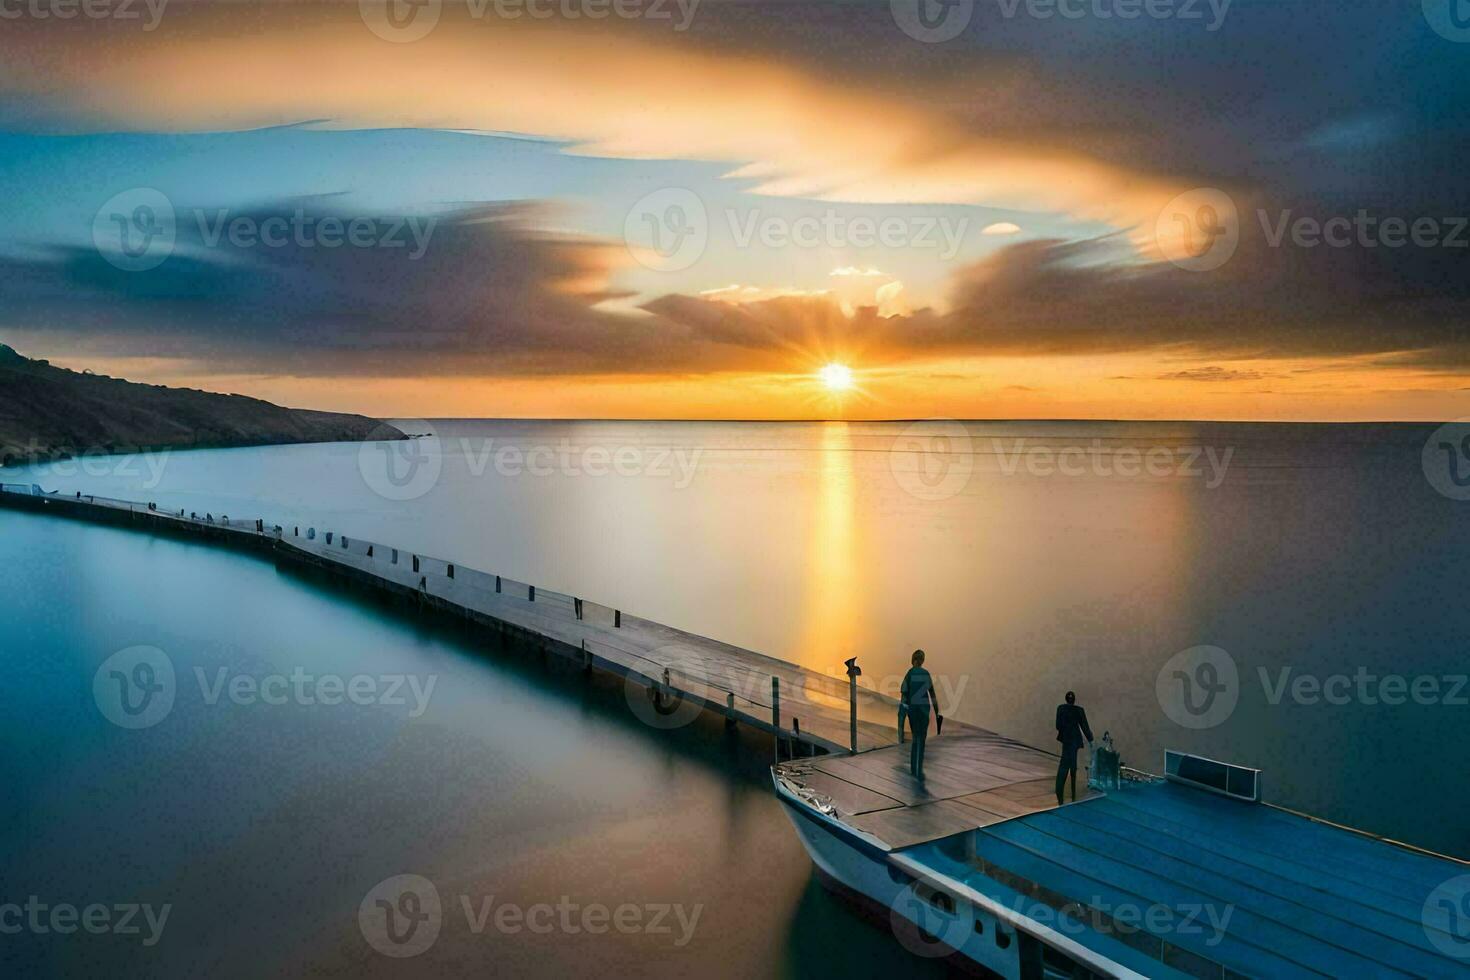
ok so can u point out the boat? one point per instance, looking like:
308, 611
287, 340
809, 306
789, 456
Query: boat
1188, 874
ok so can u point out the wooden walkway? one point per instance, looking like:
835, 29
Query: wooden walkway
684, 670
972, 779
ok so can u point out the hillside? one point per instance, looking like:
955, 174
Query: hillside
50, 412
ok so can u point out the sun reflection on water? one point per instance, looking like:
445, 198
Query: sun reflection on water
831, 613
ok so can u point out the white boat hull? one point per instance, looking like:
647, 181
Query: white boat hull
924, 922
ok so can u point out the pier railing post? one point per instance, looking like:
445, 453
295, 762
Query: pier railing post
853, 673
776, 712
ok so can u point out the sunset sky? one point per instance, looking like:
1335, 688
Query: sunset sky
690, 211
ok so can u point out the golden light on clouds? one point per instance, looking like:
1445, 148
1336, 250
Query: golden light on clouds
606, 92
1053, 320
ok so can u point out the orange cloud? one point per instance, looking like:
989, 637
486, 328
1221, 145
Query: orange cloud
612, 91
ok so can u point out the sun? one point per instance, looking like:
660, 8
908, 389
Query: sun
836, 377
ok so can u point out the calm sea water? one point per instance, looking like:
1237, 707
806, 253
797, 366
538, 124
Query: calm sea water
1305, 582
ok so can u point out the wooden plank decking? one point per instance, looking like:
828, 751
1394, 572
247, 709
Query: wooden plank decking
973, 779
723, 678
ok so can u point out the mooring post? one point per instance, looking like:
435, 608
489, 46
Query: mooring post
659, 688
795, 736
586, 658
532, 592
853, 673
776, 712
617, 619
730, 710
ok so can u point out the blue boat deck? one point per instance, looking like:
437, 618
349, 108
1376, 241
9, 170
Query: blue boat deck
1235, 888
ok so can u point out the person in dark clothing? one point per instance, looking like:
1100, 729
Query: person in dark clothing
1072, 727
916, 695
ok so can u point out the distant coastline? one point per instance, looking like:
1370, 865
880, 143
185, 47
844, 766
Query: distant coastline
49, 413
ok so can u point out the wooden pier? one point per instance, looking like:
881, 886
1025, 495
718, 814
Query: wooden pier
678, 672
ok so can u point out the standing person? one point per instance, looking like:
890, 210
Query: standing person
1071, 728
915, 696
